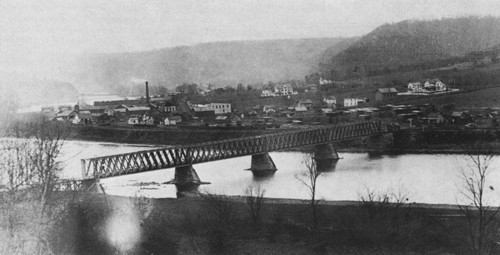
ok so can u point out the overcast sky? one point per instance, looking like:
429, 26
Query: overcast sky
42, 32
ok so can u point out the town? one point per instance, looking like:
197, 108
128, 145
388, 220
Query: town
283, 107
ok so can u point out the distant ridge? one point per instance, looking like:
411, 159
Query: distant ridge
219, 63
410, 43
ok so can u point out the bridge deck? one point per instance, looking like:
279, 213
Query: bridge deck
177, 156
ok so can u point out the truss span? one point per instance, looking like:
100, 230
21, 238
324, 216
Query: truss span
178, 156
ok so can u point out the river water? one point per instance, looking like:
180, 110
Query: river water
422, 178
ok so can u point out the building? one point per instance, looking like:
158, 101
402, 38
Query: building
324, 82
431, 85
267, 93
66, 115
283, 89
385, 93
268, 109
353, 102
172, 120
435, 118
217, 108
434, 85
330, 102
170, 108
307, 103
415, 87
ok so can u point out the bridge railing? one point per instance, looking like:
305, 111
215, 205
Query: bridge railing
184, 155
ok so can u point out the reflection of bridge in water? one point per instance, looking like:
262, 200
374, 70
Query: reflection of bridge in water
183, 157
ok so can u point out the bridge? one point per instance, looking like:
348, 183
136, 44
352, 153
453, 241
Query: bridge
184, 156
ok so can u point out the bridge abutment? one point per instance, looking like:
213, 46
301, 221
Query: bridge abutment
92, 185
262, 165
326, 156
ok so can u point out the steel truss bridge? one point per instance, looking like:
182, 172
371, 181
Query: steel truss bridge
187, 155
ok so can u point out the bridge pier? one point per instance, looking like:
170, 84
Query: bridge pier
325, 156
376, 142
186, 179
262, 165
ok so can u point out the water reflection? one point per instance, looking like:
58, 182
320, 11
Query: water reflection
326, 165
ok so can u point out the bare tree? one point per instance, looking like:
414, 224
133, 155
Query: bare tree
310, 179
255, 197
29, 174
482, 218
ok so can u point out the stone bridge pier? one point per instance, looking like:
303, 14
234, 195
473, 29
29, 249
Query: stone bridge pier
325, 156
186, 179
262, 165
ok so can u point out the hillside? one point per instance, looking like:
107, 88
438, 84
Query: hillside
412, 45
220, 63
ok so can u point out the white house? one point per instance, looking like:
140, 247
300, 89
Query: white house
415, 87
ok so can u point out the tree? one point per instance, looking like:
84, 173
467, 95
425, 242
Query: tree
310, 179
239, 87
482, 219
255, 198
30, 172
187, 88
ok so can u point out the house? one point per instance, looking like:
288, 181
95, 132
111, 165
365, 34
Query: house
267, 93
330, 102
430, 85
435, 118
385, 93
353, 102
459, 117
434, 85
283, 89
307, 103
312, 88
268, 109
300, 108
324, 82
172, 120
415, 87
84, 117
66, 115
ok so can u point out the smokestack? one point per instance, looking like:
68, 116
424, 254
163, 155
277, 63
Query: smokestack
147, 93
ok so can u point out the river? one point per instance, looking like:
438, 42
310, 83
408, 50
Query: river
422, 178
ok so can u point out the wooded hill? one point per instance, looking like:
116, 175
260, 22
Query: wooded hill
411, 45
219, 63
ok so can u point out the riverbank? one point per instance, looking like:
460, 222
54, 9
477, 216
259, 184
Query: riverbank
227, 225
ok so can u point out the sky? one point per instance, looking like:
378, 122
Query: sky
35, 34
